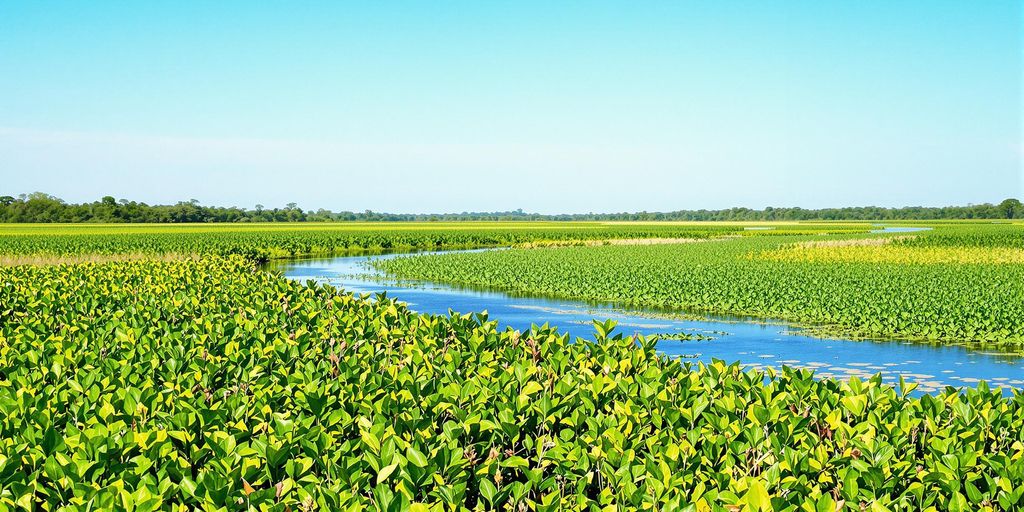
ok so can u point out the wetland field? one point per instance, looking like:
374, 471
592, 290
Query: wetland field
813, 366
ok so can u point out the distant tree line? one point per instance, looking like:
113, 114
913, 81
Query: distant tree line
40, 207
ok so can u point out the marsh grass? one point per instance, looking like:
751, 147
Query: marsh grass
72, 259
612, 241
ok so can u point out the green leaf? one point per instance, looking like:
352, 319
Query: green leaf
973, 493
515, 461
757, 496
371, 441
531, 388
385, 472
488, 490
416, 457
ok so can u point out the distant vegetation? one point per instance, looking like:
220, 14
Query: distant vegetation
40, 243
79, 243
40, 207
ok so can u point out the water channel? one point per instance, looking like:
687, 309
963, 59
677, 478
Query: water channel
756, 344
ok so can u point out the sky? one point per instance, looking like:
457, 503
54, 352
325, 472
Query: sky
552, 107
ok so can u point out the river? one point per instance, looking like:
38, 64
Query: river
756, 344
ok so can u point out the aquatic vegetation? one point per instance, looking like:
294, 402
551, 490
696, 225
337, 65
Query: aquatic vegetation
210, 385
680, 336
168, 372
947, 285
908, 249
899, 254
971, 235
74, 243
53, 244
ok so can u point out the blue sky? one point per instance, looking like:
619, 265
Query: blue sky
546, 106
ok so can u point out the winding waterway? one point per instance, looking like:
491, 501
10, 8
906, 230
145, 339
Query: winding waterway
754, 344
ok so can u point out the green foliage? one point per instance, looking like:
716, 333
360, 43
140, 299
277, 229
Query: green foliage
261, 242
275, 241
970, 235
40, 207
209, 385
942, 302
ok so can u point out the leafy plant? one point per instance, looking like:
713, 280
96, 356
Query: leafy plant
207, 384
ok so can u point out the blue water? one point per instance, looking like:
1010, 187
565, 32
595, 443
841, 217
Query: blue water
757, 345
898, 229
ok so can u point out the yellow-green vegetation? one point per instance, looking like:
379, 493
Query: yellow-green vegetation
64, 243
998, 244
268, 241
895, 253
211, 385
957, 283
170, 373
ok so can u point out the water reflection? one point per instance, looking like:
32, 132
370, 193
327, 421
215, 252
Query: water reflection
899, 229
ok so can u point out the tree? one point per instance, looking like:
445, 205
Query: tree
1011, 209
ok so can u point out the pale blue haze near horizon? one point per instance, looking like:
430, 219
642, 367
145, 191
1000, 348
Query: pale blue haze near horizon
546, 106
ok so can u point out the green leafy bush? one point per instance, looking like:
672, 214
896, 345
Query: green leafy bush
209, 385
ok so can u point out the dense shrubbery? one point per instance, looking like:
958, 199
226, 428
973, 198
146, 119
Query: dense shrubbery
210, 385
